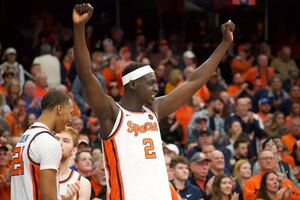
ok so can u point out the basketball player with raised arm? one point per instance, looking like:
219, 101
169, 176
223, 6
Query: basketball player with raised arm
37, 155
133, 155
67, 177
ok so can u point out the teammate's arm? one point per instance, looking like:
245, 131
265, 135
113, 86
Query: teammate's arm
169, 103
96, 98
85, 189
48, 184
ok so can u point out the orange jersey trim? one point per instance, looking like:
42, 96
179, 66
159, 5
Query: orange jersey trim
35, 180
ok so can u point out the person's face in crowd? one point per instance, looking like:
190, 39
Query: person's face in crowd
218, 106
21, 106
96, 152
84, 163
245, 170
15, 91
5, 137
188, 71
77, 124
4, 158
280, 119
42, 81
164, 48
279, 144
126, 55
271, 146
109, 48
146, 88
65, 116
226, 186
295, 92
217, 160
236, 128
11, 57
238, 79
208, 149
94, 127
286, 53
98, 172
8, 77
272, 183
262, 61
35, 70
114, 89
160, 71
295, 127
265, 107
29, 90
295, 108
188, 61
169, 171
242, 107
200, 169
66, 143
267, 161
242, 150
169, 153
31, 118
276, 83
205, 139
181, 171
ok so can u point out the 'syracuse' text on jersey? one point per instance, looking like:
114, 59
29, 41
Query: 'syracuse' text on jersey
134, 160
36, 150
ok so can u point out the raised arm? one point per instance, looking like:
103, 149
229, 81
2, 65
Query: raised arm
169, 103
103, 105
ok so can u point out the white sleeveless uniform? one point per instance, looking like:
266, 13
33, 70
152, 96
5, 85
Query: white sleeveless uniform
36, 150
134, 161
64, 185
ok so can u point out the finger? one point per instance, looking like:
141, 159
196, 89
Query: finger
76, 7
84, 8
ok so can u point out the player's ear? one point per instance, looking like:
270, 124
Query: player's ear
74, 151
59, 109
132, 85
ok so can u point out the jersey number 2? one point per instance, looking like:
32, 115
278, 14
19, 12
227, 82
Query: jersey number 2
17, 162
149, 148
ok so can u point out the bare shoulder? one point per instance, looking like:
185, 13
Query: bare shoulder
85, 189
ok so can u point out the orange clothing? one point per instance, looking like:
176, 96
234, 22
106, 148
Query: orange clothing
76, 110
14, 124
174, 194
3, 90
96, 187
240, 66
233, 89
203, 94
201, 184
288, 159
109, 75
263, 116
4, 187
169, 88
289, 141
184, 115
252, 186
40, 92
264, 76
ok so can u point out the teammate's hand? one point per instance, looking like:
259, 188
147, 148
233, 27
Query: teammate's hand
72, 191
227, 31
82, 13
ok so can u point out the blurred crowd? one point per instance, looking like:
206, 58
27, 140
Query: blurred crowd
238, 136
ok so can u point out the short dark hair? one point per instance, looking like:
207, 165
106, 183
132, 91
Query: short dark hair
77, 156
131, 67
243, 138
178, 159
54, 98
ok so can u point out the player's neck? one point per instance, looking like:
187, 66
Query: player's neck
131, 103
46, 119
64, 169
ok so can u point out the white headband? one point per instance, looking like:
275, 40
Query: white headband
138, 73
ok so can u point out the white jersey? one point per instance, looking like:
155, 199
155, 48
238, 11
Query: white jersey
134, 161
64, 185
36, 150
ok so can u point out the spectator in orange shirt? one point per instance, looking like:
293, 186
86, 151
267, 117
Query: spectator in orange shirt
97, 178
267, 164
243, 60
41, 85
175, 78
270, 188
238, 88
285, 157
291, 138
8, 77
4, 173
264, 108
259, 76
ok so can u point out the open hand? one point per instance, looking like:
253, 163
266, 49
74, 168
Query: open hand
82, 13
227, 31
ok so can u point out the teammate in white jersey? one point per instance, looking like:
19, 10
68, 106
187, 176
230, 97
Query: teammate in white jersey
37, 155
69, 180
134, 161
